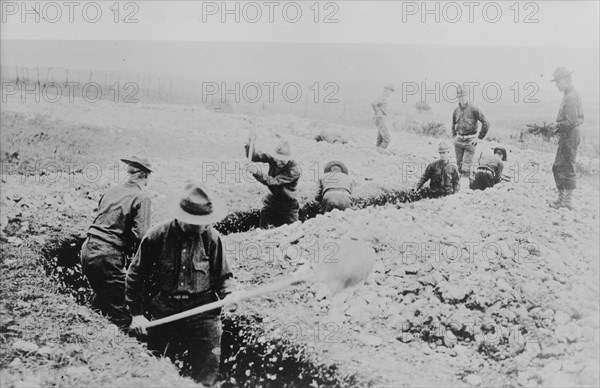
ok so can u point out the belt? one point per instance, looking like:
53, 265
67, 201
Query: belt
186, 296
337, 189
467, 136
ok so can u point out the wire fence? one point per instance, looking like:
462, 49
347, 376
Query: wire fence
311, 100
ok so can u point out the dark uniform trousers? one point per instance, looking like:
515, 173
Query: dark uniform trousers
564, 163
278, 211
482, 180
383, 134
336, 199
199, 334
104, 266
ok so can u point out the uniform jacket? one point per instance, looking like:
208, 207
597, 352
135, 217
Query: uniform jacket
443, 177
464, 121
178, 262
123, 217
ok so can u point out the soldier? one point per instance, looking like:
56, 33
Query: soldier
280, 205
464, 131
122, 219
490, 170
569, 119
443, 175
380, 108
184, 258
335, 188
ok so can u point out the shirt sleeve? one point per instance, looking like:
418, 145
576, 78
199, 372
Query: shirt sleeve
485, 124
454, 123
425, 177
287, 176
141, 220
570, 117
137, 274
455, 180
258, 156
319, 195
223, 282
499, 169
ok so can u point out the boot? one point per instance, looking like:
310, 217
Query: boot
568, 200
560, 201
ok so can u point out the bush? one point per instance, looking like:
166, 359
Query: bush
422, 106
546, 131
434, 128
430, 128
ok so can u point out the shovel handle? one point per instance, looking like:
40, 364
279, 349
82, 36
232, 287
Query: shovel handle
220, 303
251, 146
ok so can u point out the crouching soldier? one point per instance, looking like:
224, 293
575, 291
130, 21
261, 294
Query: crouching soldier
335, 188
184, 258
122, 218
443, 176
280, 206
489, 171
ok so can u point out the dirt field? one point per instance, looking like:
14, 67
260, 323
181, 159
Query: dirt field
486, 288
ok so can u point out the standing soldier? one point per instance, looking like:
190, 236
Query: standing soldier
464, 131
490, 170
443, 175
280, 206
184, 258
380, 107
122, 220
568, 121
335, 188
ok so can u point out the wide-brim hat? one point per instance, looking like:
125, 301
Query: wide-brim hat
195, 205
333, 163
503, 150
283, 151
462, 90
390, 87
560, 73
139, 160
443, 147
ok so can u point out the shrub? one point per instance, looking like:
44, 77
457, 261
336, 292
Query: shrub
434, 129
546, 131
422, 106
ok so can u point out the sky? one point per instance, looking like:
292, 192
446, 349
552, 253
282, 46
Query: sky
570, 24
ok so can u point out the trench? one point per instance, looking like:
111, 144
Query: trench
250, 356
243, 221
248, 359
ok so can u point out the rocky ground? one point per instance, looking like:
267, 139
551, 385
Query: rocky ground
480, 288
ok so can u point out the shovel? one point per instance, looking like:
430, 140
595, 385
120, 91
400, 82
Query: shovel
348, 265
